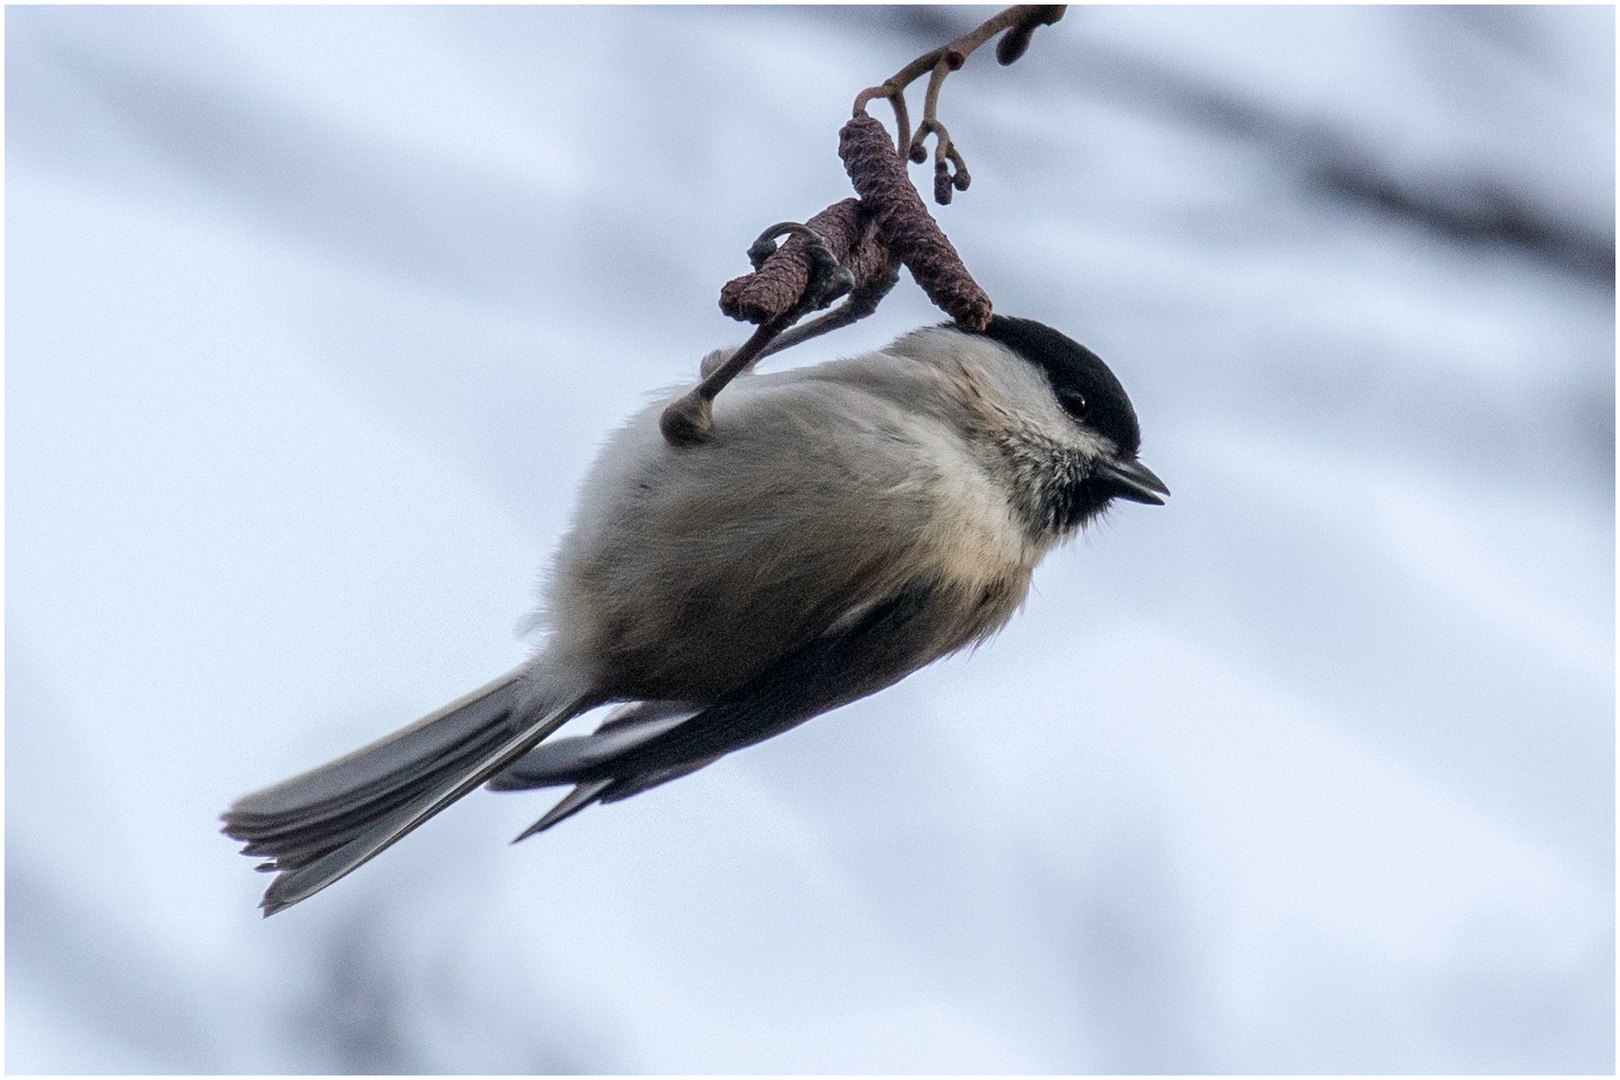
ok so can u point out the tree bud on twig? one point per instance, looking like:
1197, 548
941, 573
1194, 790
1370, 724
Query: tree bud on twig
1015, 41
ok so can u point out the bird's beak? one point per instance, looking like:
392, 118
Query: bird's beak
1131, 480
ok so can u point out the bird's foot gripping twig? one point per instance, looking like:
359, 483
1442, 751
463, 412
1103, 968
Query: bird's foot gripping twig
689, 419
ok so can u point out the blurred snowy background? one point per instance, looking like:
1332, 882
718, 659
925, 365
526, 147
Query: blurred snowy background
315, 317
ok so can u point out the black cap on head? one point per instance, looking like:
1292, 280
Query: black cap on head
1084, 386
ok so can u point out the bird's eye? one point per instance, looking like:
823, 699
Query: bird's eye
1073, 402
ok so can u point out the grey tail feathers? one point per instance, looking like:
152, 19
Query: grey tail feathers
317, 827
575, 801
581, 761
609, 789
571, 760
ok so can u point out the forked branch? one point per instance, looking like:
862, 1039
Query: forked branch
1020, 22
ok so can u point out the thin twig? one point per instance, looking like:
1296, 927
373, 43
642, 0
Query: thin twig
854, 246
1020, 20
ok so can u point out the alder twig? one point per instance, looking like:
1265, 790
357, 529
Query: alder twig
1019, 21
853, 247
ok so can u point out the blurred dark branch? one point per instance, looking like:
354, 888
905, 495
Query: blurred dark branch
357, 1010
1463, 210
89, 969
1471, 212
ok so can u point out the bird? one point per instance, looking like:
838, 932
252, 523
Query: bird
844, 525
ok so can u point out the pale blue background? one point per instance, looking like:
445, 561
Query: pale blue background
316, 316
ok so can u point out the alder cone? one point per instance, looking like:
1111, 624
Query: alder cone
777, 286
905, 226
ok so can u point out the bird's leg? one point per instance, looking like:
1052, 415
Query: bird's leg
689, 419
861, 303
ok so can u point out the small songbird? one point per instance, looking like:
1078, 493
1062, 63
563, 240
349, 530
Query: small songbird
844, 525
